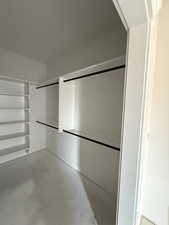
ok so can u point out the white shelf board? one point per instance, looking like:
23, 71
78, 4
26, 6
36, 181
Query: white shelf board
13, 95
13, 122
13, 149
14, 135
12, 108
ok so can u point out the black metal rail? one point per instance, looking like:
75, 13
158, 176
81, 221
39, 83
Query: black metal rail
47, 85
54, 127
81, 136
84, 76
92, 140
95, 73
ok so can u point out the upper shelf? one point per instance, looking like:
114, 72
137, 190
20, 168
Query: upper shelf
48, 83
13, 95
93, 70
117, 63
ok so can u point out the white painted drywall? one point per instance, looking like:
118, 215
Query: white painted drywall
98, 106
104, 47
96, 100
156, 188
52, 93
97, 162
21, 67
37, 112
66, 105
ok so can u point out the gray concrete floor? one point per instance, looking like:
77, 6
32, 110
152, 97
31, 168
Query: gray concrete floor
42, 190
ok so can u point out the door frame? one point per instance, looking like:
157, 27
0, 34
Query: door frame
140, 19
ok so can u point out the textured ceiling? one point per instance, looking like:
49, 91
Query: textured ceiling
41, 28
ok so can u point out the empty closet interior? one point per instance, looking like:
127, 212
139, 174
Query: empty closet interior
62, 80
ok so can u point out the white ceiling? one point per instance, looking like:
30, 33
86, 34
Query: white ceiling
41, 28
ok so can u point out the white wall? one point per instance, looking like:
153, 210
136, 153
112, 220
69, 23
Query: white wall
97, 113
156, 189
52, 93
98, 106
21, 67
103, 48
97, 99
98, 163
38, 109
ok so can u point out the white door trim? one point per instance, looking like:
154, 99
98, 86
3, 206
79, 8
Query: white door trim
139, 18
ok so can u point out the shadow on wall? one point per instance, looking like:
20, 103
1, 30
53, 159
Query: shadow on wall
98, 111
102, 202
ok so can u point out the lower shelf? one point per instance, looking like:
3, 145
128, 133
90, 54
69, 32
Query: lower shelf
13, 149
11, 136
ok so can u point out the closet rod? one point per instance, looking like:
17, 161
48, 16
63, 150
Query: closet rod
92, 140
47, 125
83, 137
84, 76
47, 85
95, 73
